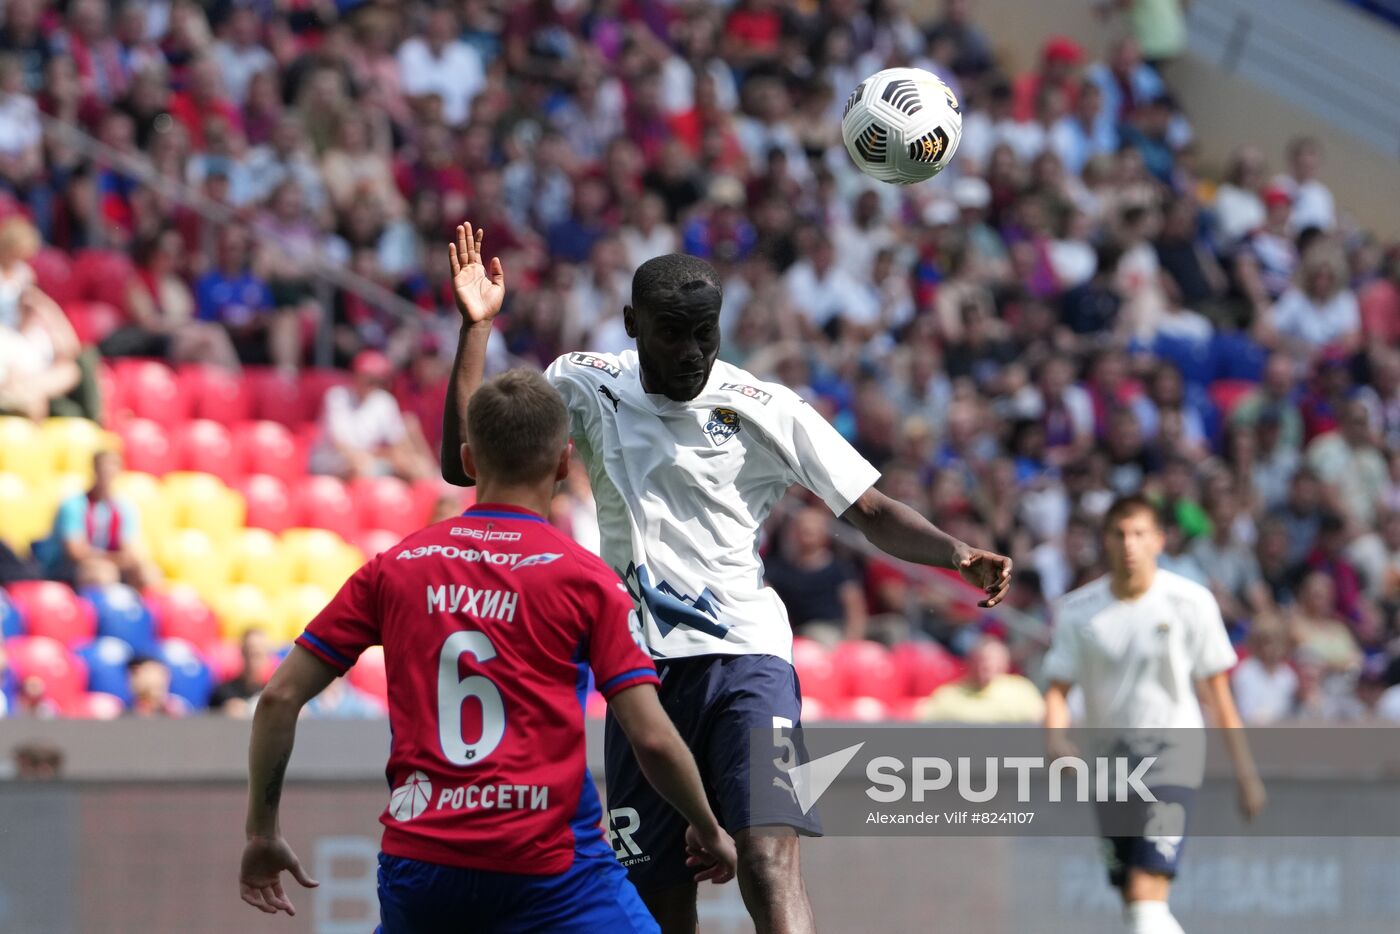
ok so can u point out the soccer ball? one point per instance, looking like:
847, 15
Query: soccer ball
902, 125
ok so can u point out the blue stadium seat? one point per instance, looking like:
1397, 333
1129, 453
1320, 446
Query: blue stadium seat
122, 613
11, 622
190, 677
107, 658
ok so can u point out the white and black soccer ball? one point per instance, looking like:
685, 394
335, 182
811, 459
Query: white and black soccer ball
902, 125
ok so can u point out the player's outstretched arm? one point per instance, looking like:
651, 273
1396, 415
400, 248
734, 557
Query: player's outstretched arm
479, 294
670, 768
899, 530
300, 677
1221, 712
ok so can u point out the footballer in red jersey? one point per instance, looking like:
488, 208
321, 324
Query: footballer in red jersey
490, 622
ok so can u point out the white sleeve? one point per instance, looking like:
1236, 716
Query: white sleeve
1062, 662
558, 374
1212, 652
818, 457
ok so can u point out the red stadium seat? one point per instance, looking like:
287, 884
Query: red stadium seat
153, 391
204, 446
375, 541
217, 394
269, 448
225, 659
63, 673
54, 610
865, 669
53, 272
114, 403
905, 709
269, 502
815, 670
314, 386
324, 503
368, 674
103, 275
859, 710
276, 396
146, 447
923, 667
180, 613
92, 321
95, 705
385, 503
813, 710
426, 494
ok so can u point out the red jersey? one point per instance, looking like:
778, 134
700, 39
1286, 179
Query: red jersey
490, 622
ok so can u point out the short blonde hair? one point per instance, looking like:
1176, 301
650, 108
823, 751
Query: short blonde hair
18, 239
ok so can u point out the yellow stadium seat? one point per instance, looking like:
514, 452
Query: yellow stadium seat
146, 493
240, 607
64, 485
26, 512
72, 443
202, 501
191, 557
298, 606
24, 450
257, 559
316, 556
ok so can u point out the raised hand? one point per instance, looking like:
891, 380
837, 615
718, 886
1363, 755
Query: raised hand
260, 876
478, 293
988, 571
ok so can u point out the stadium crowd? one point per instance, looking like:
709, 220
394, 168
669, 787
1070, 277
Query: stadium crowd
1076, 309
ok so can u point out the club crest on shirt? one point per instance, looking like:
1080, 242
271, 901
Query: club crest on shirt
595, 363
722, 425
753, 392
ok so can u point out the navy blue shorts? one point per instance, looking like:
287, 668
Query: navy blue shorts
592, 897
715, 701
1157, 848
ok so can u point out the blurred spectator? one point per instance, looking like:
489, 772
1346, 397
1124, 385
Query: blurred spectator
1264, 684
363, 431
822, 592
235, 697
1158, 26
1319, 631
96, 536
1230, 567
236, 295
974, 51
163, 311
19, 241
149, 679
1320, 311
440, 64
1349, 460
988, 693
1125, 80
1313, 206
1376, 556
1060, 58
37, 761
343, 701
1239, 203
239, 53
1267, 256
21, 134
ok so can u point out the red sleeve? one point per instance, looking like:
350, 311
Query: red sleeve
349, 624
615, 646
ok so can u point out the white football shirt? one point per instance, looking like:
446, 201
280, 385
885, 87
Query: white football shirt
683, 488
1137, 661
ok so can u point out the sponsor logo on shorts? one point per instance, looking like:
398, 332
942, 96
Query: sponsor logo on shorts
485, 535
595, 363
753, 392
722, 425
623, 824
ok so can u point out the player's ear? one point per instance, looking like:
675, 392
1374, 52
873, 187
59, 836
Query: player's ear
629, 321
561, 470
468, 462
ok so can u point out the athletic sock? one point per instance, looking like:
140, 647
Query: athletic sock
1150, 918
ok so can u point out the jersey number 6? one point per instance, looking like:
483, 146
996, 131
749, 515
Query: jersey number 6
453, 691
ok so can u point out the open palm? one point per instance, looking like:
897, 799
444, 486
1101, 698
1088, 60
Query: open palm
479, 294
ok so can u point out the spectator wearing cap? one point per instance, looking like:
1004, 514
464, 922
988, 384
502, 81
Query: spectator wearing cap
1267, 257
1313, 204
1320, 310
1060, 59
363, 431
988, 693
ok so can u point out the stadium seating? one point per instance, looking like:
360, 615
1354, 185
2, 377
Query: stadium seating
93, 321
107, 658
267, 447
150, 390
190, 677
23, 449
53, 272
217, 394
11, 621
96, 705
240, 607
865, 669
103, 276
276, 397
386, 503
52, 610
257, 559
61, 672
146, 446
368, 675
325, 503
206, 446
816, 672
268, 503
122, 614
181, 613
920, 668
296, 606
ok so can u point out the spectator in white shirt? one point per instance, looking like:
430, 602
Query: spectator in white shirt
1313, 205
648, 235
1239, 207
363, 431
21, 136
825, 294
240, 54
1264, 683
1319, 311
441, 64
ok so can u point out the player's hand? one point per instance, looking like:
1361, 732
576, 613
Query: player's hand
1252, 798
478, 293
711, 855
260, 876
988, 571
